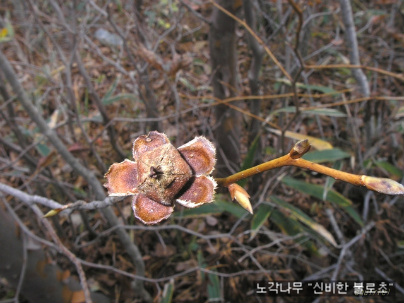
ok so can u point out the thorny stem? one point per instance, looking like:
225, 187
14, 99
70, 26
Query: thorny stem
293, 158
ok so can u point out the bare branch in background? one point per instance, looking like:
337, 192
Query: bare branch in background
145, 91
65, 209
223, 55
113, 139
90, 177
26, 266
133, 53
360, 77
253, 78
352, 43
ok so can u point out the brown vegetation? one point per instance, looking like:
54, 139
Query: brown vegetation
81, 80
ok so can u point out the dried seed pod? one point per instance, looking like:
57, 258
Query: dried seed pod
149, 211
200, 191
122, 178
200, 155
162, 174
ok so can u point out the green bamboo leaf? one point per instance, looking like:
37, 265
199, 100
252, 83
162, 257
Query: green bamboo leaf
400, 112
110, 91
329, 181
390, 169
327, 155
302, 217
217, 207
43, 149
320, 88
204, 210
119, 97
214, 290
168, 292
231, 207
249, 159
316, 191
187, 84
260, 217
330, 112
400, 244
290, 226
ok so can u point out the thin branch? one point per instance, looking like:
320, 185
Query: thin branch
32, 111
345, 248
148, 97
67, 253
293, 158
63, 209
350, 34
101, 108
245, 25
253, 73
357, 66
23, 226
198, 15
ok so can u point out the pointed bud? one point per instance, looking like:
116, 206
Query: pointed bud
53, 212
241, 196
300, 149
383, 185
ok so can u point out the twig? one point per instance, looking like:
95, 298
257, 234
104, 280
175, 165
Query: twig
23, 268
245, 25
60, 247
59, 208
299, 13
148, 97
67, 253
198, 15
253, 74
24, 227
384, 276
130, 247
345, 248
358, 66
293, 158
350, 34
101, 108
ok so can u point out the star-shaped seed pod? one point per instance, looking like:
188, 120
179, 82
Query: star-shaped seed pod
162, 174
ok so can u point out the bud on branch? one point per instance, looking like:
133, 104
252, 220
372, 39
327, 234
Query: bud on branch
162, 174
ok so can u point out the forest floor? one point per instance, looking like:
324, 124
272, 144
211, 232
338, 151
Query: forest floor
218, 252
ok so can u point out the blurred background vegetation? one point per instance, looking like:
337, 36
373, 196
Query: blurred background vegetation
101, 73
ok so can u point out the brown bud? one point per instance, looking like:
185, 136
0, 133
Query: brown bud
241, 196
300, 149
383, 185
